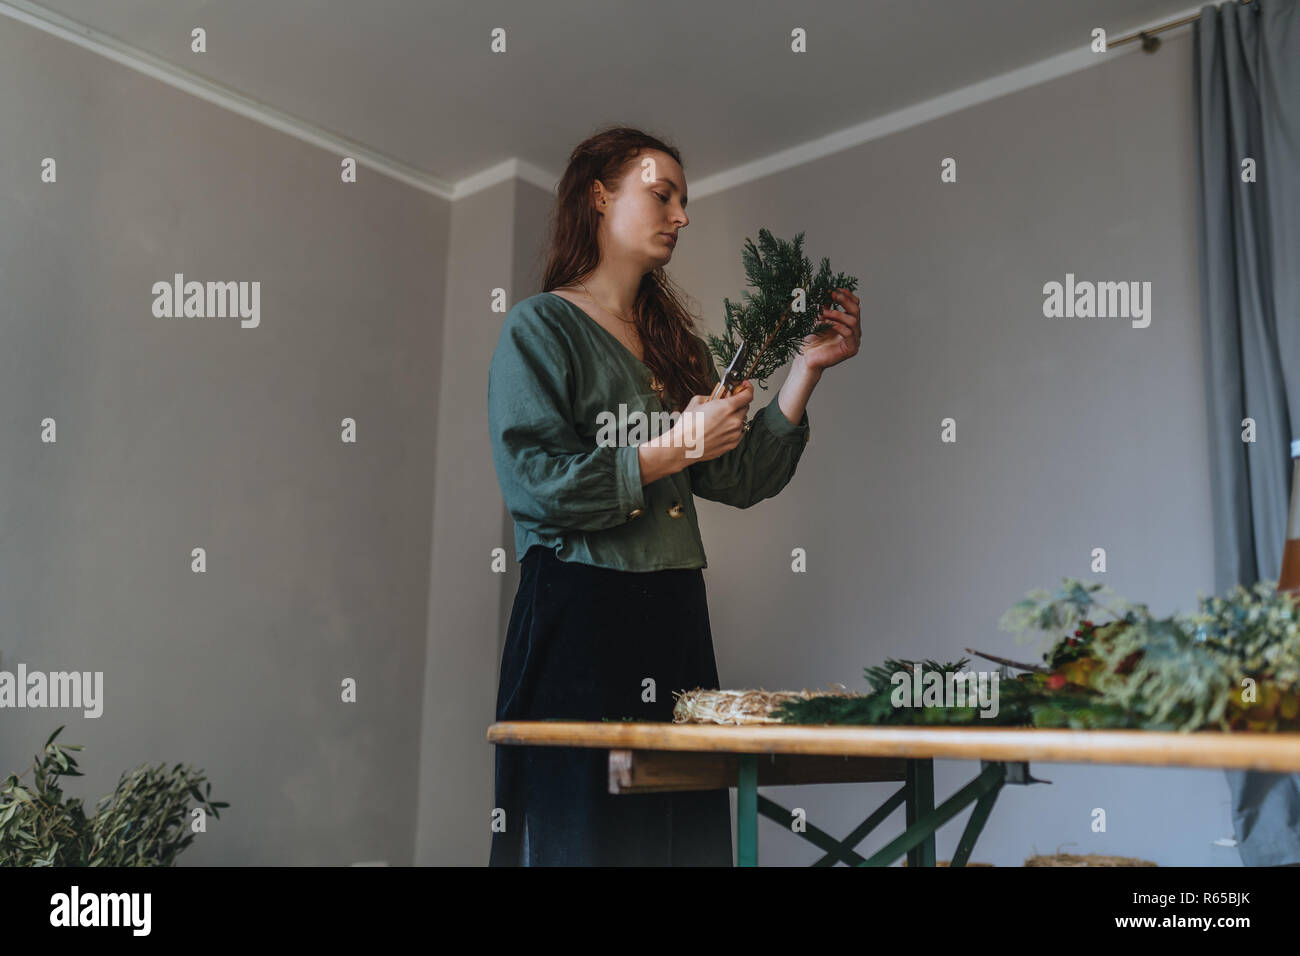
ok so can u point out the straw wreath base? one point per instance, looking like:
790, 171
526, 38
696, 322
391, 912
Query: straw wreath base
700, 706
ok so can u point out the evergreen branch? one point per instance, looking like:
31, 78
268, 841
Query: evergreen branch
776, 271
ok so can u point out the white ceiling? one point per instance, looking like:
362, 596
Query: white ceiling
415, 81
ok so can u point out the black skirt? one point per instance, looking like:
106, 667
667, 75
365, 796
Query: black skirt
584, 643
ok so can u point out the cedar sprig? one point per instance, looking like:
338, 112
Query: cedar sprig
783, 308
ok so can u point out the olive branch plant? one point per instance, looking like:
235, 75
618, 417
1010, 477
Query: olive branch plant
143, 822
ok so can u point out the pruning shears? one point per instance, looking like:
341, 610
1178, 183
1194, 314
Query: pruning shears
734, 375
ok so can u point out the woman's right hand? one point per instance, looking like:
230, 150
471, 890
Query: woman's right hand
714, 427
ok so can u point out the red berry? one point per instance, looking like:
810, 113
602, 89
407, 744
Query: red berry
1056, 681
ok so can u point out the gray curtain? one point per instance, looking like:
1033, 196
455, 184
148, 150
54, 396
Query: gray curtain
1248, 106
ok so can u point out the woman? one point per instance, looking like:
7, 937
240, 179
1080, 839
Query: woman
610, 617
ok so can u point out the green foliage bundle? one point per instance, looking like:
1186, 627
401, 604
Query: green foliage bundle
1022, 701
1233, 666
142, 823
783, 309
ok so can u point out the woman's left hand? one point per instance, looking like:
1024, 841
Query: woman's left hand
836, 344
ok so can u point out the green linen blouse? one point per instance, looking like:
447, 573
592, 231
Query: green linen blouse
553, 372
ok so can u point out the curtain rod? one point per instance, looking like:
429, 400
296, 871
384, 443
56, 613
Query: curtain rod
1151, 42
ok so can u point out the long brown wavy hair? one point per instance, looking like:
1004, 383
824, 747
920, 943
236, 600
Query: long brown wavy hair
674, 352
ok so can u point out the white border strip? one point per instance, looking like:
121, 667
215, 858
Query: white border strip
1028, 76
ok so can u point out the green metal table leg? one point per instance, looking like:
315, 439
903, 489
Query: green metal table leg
836, 850
978, 816
844, 851
747, 810
927, 823
920, 801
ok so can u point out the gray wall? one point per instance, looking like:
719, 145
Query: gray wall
1071, 433
183, 433
372, 560
494, 243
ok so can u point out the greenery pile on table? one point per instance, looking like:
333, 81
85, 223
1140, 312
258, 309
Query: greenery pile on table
1232, 666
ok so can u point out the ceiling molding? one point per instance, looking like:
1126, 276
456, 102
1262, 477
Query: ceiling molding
983, 91
954, 101
515, 168
159, 69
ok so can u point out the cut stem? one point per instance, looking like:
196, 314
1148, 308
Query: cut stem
784, 315
1010, 663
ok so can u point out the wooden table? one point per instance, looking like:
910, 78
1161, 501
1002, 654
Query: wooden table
646, 757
